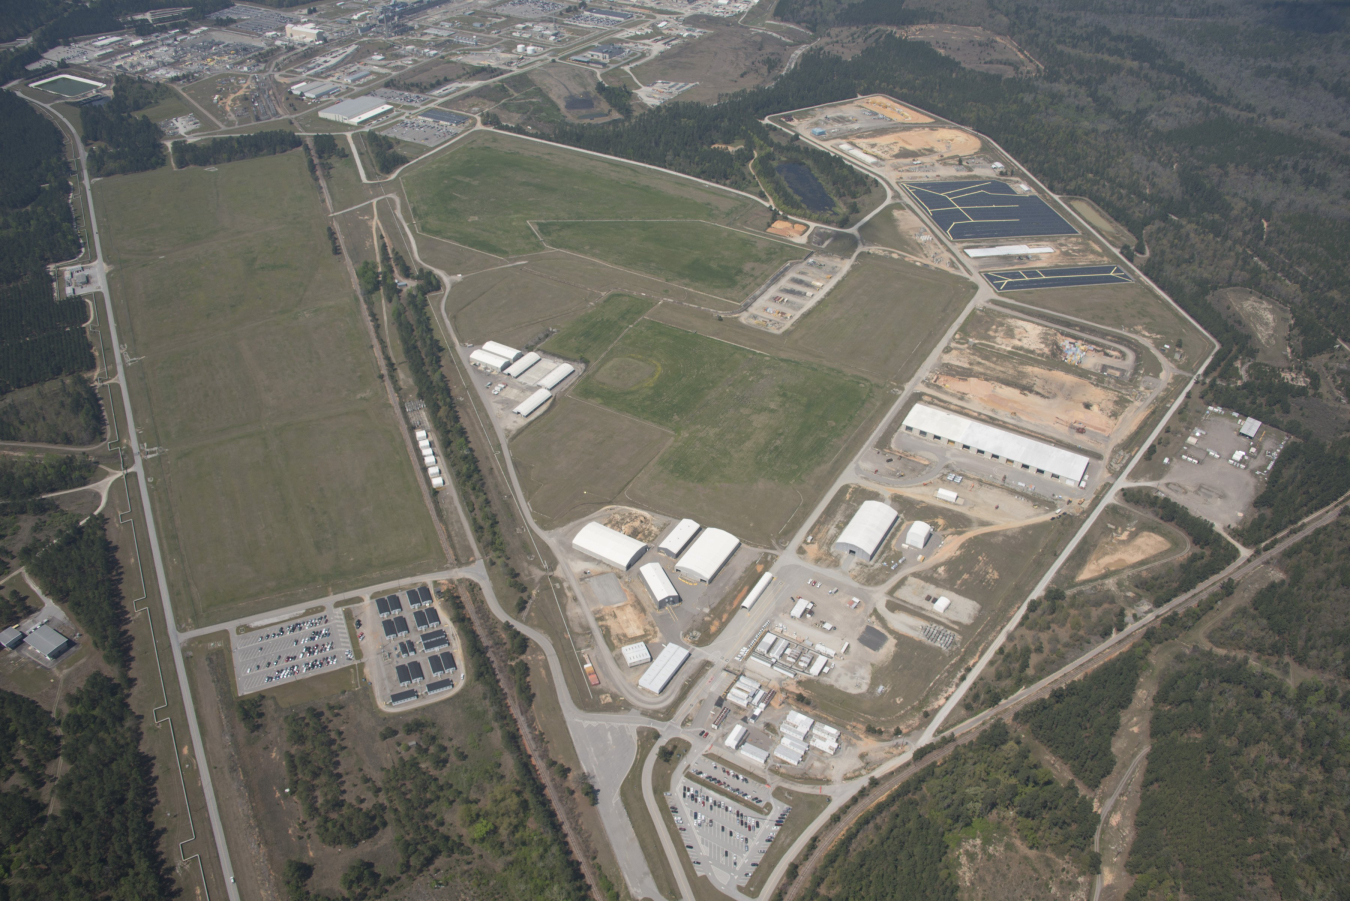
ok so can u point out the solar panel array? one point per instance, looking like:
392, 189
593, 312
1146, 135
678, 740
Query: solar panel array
986, 210
1063, 277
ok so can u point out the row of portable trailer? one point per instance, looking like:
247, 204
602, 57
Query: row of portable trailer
429, 460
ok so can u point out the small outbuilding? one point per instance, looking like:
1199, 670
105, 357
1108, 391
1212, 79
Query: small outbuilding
11, 638
636, 654
918, 535
866, 530
1250, 428
708, 554
607, 545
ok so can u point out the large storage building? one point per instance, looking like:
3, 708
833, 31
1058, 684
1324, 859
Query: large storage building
48, 642
636, 654
708, 554
502, 350
533, 402
659, 584
996, 443
522, 366
866, 530
663, 668
557, 375
679, 537
356, 111
489, 360
602, 543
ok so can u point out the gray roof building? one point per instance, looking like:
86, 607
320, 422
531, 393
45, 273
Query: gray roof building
48, 642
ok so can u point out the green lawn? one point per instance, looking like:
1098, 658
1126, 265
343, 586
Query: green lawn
698, 255
739, 416
588, 336
283, 474
484, 192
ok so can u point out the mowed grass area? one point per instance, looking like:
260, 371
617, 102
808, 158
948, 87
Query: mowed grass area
698, 255
282, 474
740, 416
485, 191
580, 458
590, 335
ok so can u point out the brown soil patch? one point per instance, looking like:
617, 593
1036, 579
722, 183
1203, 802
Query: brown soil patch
895, 111
1004, 869
1262, 318
626, 623
787, 229
1121, 551
910, 143
634, 524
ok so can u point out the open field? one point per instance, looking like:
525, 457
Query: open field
698, 255
484, 192
581, 458
514, 305
726, 60
282, 472
1109, 228
588, 336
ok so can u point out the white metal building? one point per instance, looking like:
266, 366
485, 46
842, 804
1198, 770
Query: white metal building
557, 375
659, 584
488, 360
522, 366
918, 534
996, 443
866, 530
356, 111
737, 736
636, 654
614, 548
708, 554
1006, 250
502, 350
663, 669
948, 495
755, 753
1250, 428
533, 402
790, 750
801, 608
758, 590
674, 543
305, 33
941, 604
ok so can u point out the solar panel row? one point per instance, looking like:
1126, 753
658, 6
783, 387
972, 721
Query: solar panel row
1064, 277
984, 210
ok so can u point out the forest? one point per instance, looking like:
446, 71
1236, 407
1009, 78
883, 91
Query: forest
385, 152
237, 147
41, 338
1210, 555
1076, 722
79, 570
1308, 476
1244, 786
63, 411
314, 778
1306, 616
102, 841
902, 847
23, 477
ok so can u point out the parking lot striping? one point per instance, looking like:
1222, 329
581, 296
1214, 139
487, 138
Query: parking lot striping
982, 210
1063, 277
718, 833
293, 650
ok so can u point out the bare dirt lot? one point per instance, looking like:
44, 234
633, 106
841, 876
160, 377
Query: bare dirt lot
726, 59
1006, 332
1125, 548
911, 143
1265, 320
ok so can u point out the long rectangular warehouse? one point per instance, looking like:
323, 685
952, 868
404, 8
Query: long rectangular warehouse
659, 584
557, 375
533, 402
997, 443
663, 668
866, 530
522, 366
502, 350
489, 360
614, 548
758, 590
708, 554
678, 539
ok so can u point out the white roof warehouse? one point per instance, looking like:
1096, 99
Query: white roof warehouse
355, 111
708, 554
614, 548
663, 669
997, 443
867, 529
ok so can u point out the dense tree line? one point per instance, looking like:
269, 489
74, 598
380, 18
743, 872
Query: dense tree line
1244, 786
1212, 552
314, 778
818, 14
1306, 616
23, 477
1078, 721
102, 842
41, 338
28, 740
62, 411
385, 152
36, 225
13, 606
131, 94
121, 143
235, 147
1308, 475
79, 570
902, 846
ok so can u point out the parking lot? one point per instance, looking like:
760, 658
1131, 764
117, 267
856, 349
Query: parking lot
724, 840
291, 650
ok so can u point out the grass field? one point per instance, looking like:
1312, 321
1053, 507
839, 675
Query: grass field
581, 458
514, 304
740, 416
282, 473
484, 192
698, 255
590, 335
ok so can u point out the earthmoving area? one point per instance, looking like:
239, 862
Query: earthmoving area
797, 288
